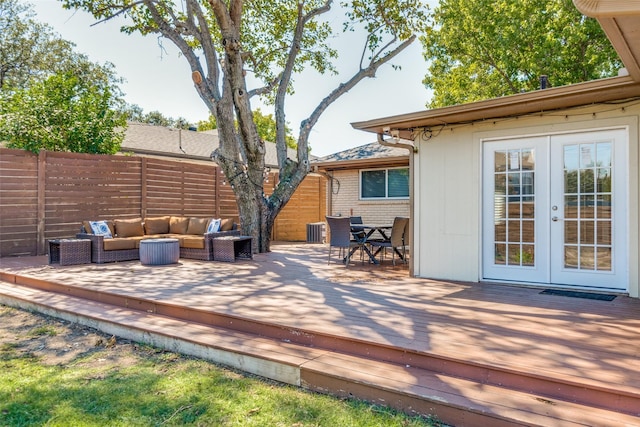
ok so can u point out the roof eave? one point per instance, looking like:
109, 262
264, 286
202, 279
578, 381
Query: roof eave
539, 101
619, 20
361, 163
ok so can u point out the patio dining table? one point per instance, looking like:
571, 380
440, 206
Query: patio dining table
369, 231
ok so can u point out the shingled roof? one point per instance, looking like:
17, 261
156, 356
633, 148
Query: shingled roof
146, 139
368, 155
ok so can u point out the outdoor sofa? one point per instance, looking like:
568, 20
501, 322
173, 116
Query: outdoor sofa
119, 240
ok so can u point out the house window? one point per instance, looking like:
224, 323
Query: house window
384, 183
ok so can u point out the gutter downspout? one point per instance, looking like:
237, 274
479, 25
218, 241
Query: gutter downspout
412, 150
329, 176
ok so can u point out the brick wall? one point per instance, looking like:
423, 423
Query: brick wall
345, 201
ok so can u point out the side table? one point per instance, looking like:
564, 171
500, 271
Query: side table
69, 251
229, 248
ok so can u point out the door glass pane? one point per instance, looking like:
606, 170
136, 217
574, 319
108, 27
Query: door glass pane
571, 181
501, 231
587, 181
528, 254
500, 161
571, 206
528, 231
570, 256
571, 232
604, 233
587, 206
604, 259
604, 206
603, 180
514, 213
501, 254
587, 258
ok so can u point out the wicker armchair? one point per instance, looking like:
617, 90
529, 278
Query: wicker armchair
396, 241
340, 228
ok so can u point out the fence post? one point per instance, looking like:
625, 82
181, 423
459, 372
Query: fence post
143, 187
216, 180
42, 182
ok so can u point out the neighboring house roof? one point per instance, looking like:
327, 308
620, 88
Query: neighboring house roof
367, 155
619, 20
142, 138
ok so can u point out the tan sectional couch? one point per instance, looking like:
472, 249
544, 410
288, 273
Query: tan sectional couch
126, 234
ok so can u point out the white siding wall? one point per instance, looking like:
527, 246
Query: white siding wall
448, 204
346, 201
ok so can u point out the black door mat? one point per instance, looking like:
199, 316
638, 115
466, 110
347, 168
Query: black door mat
574, 294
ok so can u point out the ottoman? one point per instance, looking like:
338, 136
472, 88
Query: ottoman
159, 251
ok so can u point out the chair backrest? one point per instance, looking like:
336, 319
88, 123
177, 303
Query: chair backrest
340, 229
397, 232
358, 232
407, 234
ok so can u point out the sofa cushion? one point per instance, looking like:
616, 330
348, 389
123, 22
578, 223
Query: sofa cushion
197, 226
226, 224
129, 227
178, 225
157, 225
193, 242
101, 228
119, 243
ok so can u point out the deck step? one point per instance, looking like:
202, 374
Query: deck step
405, 386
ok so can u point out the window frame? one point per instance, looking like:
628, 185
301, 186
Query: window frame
386, 184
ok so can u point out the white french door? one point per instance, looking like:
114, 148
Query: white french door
555, 210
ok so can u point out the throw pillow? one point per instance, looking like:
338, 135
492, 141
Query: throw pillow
214, 226
226, 224
197, 225
100, 228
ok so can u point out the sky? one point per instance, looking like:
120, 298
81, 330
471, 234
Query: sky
159, 79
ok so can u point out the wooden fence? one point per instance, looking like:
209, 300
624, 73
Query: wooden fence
47, 196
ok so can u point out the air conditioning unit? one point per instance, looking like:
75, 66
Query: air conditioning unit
316, 232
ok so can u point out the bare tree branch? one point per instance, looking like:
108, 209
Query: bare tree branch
281, 146
370, 71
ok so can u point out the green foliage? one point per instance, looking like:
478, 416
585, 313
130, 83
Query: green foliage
266, 125
480, 49
65, 112
28, 49
209, 124
51, 97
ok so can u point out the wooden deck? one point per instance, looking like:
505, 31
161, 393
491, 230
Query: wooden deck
472, 354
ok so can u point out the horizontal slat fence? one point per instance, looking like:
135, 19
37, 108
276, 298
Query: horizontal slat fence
18, 202
308, 205
47, 196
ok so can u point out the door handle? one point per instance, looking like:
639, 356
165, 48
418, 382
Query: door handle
555, 219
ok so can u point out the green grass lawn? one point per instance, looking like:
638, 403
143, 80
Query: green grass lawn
59, 374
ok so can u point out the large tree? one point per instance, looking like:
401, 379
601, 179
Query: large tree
480, 49
270, 41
